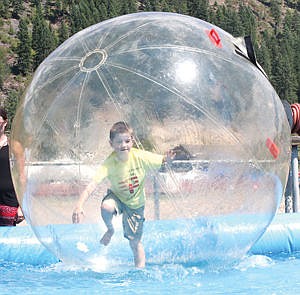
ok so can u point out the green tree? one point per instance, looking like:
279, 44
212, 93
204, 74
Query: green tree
272, 46
264, 58
219, 16
179, 6
35, 3
63, 33
24, 48
164, 6
151, 5
95, 14
11, 104
248, 22
146, 6
48, 9
198, 8
4, 8
43, 41
112, 8
232, 23
284, 78
132, 6
75, 19
86, 14
17, 8
275, 8
58, 9
4, 68
103, 12
128, 7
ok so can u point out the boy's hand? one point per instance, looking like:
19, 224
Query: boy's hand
77, 215
170, 156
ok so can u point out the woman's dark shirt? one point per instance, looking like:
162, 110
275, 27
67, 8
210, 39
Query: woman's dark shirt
7, 192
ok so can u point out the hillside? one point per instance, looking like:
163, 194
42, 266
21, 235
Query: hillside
272, 24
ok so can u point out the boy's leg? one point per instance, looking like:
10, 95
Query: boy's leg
133, 220
108, 210
138, 253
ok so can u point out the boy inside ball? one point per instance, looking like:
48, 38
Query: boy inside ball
126, 169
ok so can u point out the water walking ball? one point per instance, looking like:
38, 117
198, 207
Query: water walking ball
182, 84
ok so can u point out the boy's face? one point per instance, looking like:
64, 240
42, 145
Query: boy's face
122, 143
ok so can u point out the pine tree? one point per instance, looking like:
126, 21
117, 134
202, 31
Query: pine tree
43, 41
273, 48
86, 14
11, 30
36, 24
219, 17
4, 69
17, 6
103, 12
4, 8
112, 8
124, 8
24, 48
47, 9
132, 6
63, 33
233, 23
212, 13
75, 19
285, 78
275, 7
248, 22
264, 58
147, 5
57, 9
198, 8
95, 14
36, 3
11, 103
278, 68
179, 6
151, 5
164, 6
295, 28
53, 35
128, 7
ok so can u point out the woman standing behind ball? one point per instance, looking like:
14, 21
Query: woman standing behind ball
10, 212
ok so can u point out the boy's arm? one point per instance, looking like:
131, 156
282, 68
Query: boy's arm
78, 211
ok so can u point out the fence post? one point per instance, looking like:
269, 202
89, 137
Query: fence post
156, 199
288, 205
295, 177
292, 187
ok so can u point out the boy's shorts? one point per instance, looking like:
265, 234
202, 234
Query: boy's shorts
132, 219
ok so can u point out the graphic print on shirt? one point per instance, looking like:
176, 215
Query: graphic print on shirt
130, 183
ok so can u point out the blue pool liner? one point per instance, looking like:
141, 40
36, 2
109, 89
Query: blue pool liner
19, 244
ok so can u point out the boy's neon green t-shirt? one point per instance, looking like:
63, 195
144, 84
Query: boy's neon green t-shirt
128, 178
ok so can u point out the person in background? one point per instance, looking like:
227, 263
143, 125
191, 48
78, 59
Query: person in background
10, 211
126, 169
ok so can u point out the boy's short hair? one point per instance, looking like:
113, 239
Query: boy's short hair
119, 128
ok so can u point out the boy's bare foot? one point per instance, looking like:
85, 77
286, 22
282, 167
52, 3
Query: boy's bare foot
107, 237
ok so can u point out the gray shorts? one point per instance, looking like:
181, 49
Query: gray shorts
132, 219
